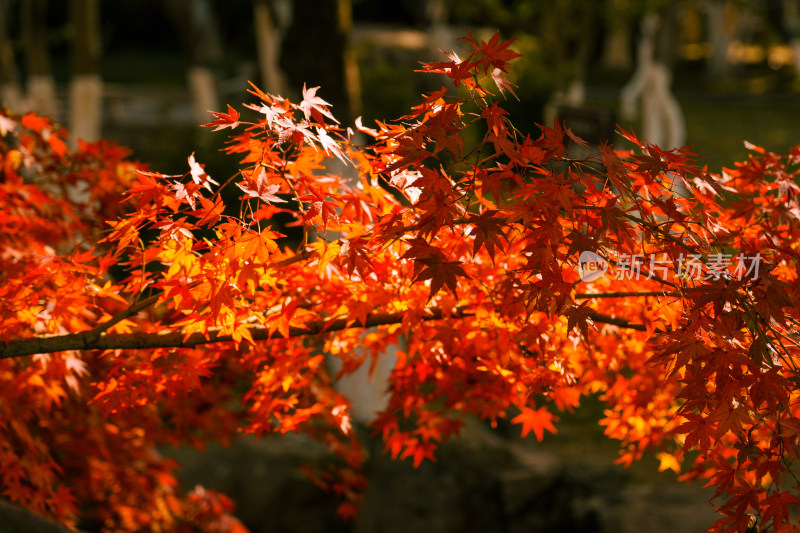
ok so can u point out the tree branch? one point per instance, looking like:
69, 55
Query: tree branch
89, 340
620, 322
129, 312
625, 294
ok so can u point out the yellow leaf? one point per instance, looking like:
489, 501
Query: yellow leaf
36, 380
668, 462
331, 251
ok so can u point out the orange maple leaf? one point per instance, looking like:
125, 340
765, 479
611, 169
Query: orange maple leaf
536, 420
224, 120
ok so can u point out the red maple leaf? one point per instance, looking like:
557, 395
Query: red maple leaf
441, 272
536, 420
495, 53
320, 205
261, 188
224, 120
488, 232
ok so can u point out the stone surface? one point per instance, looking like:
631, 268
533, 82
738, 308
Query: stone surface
14, 519
482, 482
262, 477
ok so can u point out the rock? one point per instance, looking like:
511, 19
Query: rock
659, 509
15, 519
480, 482
262, 476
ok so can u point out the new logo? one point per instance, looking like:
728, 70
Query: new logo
591, 266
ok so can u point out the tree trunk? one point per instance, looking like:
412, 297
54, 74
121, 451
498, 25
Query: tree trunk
720, 34
440, 34
86, 86
567, 31
367, 388
196, 26
616, 50
203, 88
791, 26
268, 37
10, 90
41, 95
617, 46
316, 51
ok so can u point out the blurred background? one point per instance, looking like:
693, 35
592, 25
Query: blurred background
704, 73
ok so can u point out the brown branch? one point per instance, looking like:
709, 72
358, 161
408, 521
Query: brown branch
589, 295
88, 340
305, 254
620, 322
97, 339
129, 312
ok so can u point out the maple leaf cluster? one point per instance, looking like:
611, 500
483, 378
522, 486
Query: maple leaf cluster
61, 455
185, 316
